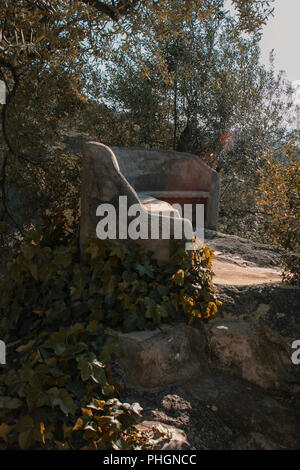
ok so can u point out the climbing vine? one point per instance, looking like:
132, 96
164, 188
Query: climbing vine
60, 320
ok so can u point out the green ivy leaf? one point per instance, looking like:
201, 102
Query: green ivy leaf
10, 403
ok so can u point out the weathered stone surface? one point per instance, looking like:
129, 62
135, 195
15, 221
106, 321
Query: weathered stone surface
241, 250
254, 352
170, 355
223, 407
277, 305
247, 408
246, 297
102, 182
231, 274
153, 170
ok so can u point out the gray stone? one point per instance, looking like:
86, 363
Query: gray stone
232, 274
170, 355
244, 303
252, 351
237, 249
249, 396
245, 408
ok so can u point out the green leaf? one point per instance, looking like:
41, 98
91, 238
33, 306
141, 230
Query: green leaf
26, 428
61, 398
93, 250
34, 270
98, 372
28, 252
129, 276
85, 368
10, 403
144, 269
62, 259
4, 430
26, 347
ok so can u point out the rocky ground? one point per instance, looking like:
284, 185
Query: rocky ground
241, 251
230, 383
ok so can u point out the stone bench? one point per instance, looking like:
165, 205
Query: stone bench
152, 179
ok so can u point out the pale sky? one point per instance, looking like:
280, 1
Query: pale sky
282, 33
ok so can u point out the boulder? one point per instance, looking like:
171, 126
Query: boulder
253, 351
277, 305
242, 251
168, 355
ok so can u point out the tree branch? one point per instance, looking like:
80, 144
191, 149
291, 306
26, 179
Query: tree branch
114, 11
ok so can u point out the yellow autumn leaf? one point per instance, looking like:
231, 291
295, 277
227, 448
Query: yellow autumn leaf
26, 347
78, 425
4, 430
42, 432
87, 412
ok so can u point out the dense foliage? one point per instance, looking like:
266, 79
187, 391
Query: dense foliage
280, 199
199, 88
48, 54
60, 319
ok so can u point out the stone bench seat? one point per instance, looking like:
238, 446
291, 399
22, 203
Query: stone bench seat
157, 201
154, 205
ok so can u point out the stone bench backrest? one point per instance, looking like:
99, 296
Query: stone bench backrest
152, 170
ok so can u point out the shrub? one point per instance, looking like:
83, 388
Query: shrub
60, 320
279, 192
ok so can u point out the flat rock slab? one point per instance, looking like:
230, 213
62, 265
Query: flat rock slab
242, 262
242, 251
227, 273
